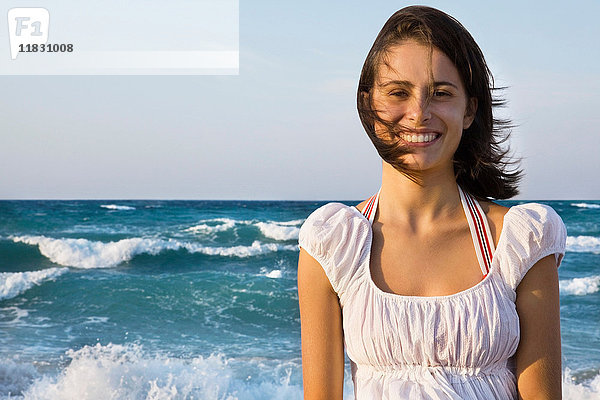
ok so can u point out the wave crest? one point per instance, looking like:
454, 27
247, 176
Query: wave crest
15, 377
274, 274
585, 205
289, 223
278, 231
580, 286
117, 207
83, 253
127, 372
583, 244
257, 248
205, 226
12, 284
572, 390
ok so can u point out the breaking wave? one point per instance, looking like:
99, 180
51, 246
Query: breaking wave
15, 377
580, 286
12, 284
127, 372
289, 223
585, 205
574, 390
277, 230
274, 274
583, 244
117, 207
214, 225
83, 253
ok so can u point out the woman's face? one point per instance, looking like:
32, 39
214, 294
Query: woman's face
427, 120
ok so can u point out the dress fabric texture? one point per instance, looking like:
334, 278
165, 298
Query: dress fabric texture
445, 347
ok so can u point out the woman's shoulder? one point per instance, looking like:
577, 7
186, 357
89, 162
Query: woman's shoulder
330, 222
336, 235
495, 214
361, 206
531, 231
329, 213
537, 218
526, 216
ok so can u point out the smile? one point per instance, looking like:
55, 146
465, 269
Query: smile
420, 138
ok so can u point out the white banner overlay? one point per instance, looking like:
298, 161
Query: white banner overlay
136, 37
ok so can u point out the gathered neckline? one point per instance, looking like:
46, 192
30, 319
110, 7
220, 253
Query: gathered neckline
367, 265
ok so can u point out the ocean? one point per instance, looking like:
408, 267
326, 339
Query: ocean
198, 299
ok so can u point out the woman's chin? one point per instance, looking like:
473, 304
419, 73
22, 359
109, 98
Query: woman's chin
420, 165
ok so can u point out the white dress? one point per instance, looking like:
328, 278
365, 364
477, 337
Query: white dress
445, 347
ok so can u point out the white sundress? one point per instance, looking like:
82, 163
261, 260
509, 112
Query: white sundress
444, 347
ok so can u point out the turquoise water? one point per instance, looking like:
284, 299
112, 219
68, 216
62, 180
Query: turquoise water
193, 299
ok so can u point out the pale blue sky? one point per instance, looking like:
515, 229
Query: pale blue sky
287, 127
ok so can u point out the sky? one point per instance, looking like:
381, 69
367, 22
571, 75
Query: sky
286, 127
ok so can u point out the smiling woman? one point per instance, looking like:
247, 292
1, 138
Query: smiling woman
425, 118
433, 290
480, 161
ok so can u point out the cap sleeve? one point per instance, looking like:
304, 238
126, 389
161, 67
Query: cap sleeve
531, 232
335, 236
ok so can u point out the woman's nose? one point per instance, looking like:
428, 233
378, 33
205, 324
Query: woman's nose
418, 111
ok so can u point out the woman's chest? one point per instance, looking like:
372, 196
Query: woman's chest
474, 328
424, 265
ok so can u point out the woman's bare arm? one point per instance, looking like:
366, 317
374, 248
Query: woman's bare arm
322, 335
538, 357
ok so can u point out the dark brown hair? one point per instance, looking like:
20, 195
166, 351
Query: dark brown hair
481, 163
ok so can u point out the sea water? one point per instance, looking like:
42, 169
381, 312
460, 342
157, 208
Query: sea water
198, 299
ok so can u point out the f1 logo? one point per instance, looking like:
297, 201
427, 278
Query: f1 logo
27, 26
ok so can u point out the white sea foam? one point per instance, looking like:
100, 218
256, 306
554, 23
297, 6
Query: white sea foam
278, 231
96, 320
580, 286
585, 205
583, 244
257, 248
83, 253
222, 224
274, 274
127, 372
580, 391
295, 222
13, 284
15, 377
117, 207
13, 316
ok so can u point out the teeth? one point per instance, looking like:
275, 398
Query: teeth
424, 138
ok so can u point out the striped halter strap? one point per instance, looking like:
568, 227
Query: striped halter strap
478, 224
480, 231
371, 208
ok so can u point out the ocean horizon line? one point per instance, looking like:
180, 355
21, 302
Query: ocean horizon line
248, 200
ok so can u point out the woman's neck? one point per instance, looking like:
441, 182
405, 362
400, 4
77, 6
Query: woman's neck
434, 196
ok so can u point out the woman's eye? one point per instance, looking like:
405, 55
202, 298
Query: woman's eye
441, 93
399, 94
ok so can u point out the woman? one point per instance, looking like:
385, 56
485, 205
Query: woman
434, 291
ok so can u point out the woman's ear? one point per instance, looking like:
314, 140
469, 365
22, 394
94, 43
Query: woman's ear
470, 112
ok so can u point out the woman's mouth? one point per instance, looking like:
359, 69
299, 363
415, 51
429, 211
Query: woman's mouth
424, 138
